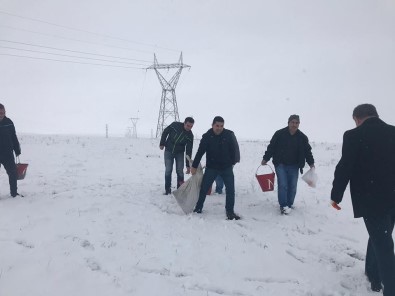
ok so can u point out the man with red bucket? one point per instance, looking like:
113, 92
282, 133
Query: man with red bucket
8, 144
290, 150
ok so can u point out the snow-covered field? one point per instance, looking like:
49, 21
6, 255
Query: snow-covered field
93, 221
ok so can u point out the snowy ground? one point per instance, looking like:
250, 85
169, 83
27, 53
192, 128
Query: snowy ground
94, 222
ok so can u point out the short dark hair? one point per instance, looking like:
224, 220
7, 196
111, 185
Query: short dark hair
218, 119
293, 117
2, 107
365, 110
189, 119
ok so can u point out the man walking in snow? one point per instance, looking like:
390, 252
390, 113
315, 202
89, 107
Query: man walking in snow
368, 163
177, 138
222, 153
290, 150
8, 144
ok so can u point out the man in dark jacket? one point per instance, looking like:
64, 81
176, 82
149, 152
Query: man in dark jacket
368, 163
8, 144
176, 139
222, 153
290, 150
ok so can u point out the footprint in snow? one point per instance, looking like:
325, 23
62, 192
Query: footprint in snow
24, 244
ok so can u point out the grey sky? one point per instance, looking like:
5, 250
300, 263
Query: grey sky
253, 62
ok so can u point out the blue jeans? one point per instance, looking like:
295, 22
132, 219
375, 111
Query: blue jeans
169, 161
380, 258
219, 184
208, 179
287, 181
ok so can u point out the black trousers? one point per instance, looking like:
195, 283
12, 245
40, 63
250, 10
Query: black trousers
380, 258
8, 162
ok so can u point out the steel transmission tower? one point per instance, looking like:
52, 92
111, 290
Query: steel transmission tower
168, 104
134, 129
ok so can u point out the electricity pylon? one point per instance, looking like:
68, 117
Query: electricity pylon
168, 104
134, 129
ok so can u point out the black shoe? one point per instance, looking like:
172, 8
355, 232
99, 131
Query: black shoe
376, 286
232, 216
168, 191
14, 194
198, 211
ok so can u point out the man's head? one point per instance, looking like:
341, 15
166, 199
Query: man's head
363, 112
218, 125
2, 112
293, 123
188, 123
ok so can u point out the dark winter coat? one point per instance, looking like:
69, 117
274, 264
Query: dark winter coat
8, 139
222, 151
279, 148
368, 163
177, 140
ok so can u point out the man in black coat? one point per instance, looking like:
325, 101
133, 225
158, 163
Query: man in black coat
222, 153
177, 138
368, 163
8, 144
290, 150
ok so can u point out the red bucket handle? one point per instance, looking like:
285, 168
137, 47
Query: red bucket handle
256, 173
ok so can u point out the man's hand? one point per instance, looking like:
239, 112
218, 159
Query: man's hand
188, 171
193, 170
335, 205
312, 166
263, 162
161, 147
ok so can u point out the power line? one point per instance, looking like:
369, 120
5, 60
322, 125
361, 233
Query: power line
78, 40
55, 60
85, 31
69, 56
69, 50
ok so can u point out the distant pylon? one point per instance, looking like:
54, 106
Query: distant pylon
168, 105
134, 128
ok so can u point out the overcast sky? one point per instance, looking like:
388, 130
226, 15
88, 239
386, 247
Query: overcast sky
253, 62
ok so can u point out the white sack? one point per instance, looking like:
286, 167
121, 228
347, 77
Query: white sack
310, 177
187, 194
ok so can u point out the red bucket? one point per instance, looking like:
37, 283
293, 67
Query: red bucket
266, 181
21, 169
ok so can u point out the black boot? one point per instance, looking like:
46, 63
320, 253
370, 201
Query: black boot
376, 286
232, 216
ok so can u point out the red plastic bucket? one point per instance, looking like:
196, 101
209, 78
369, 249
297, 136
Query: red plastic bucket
266, 181
21, 169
